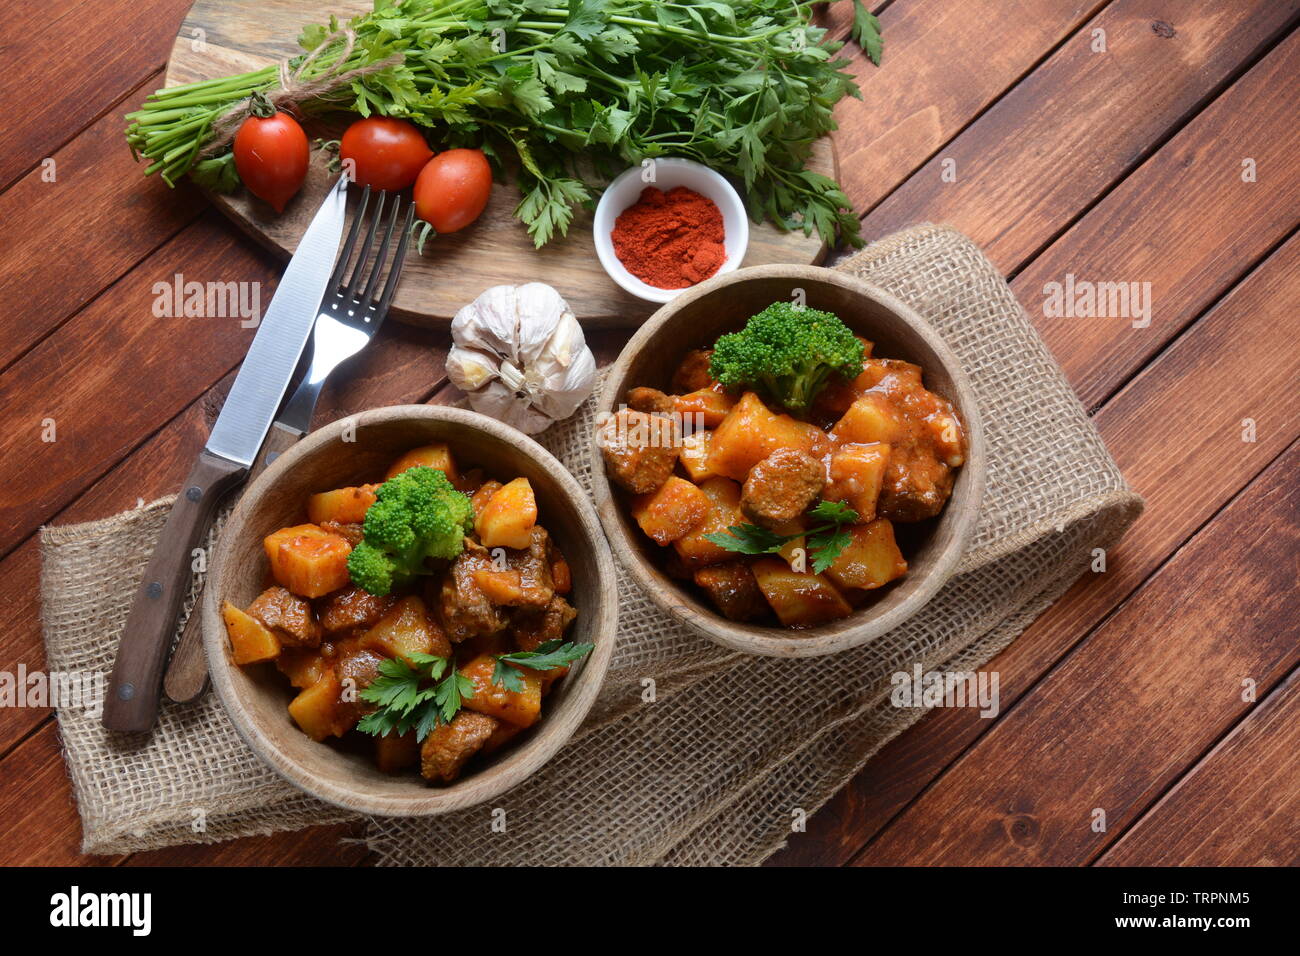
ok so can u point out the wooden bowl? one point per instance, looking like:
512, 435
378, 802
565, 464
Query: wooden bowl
695, 319
256, 699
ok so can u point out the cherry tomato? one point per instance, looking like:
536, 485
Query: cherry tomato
388, 153
453, 189
271, 154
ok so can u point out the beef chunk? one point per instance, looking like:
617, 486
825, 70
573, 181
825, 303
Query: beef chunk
288, 615
650, 400
693, 374
356, 670
351, 532
527, 579
532, 627
448, 746
917, 484
781, 486
640, 450
462, 607
734, 589
352, 608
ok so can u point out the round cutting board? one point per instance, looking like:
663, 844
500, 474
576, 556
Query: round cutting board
223, 37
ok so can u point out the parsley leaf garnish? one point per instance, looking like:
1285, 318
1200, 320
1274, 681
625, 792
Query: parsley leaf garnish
548, 654
825, 540
425, 691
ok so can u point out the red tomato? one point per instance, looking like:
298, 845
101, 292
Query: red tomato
271, 154
388, 153
453, 189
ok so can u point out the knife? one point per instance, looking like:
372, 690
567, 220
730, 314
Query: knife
131, 701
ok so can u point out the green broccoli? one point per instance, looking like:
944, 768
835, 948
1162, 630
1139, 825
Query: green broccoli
416, 515
787, 354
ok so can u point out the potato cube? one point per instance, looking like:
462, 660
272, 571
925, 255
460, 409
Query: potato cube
751, 432
342, 505
407, 629
507, 519
395, 752
316, 709
693, 548
302, 665
430, 456
250, 640
519, 707
710, 404
667, 514
857, 472
478, 501
871, 559
872, 418
733, 589
694, 455
308, 560
799, 599
561, 575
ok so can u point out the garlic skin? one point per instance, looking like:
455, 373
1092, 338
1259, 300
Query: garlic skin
519, 354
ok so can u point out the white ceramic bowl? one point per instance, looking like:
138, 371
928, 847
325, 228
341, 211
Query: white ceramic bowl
669, 173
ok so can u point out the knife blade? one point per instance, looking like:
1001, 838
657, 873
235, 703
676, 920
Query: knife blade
131, 701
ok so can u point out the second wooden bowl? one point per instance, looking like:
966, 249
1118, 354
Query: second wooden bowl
695, 319
352, 451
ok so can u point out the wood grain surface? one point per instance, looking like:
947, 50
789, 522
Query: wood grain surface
219, 37
1123, 165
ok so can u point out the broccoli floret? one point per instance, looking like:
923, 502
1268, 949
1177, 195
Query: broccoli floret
787, 354
416, 515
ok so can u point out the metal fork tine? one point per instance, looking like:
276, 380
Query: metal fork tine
336, 279
381, 259
396, 273
364, 255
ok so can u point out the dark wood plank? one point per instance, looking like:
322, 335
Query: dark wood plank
1168, 433
69, 239
77, 58
1124, 715
112, 374
1185, 222
41, 826
1238, 806
941, 69
318, 846
1080, 122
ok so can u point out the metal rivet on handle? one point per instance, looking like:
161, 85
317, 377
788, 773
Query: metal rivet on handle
194, 492
126, 692
154, 590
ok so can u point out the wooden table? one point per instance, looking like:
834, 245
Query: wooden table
1111, 140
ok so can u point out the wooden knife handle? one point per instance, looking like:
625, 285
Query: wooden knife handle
187, 674
131, 703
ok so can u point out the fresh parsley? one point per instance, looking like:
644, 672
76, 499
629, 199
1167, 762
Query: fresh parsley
825, 540
423, 691
866, 32
548, 654
571, 91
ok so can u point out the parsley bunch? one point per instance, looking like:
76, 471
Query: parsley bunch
427, 690
825, 540
745, 88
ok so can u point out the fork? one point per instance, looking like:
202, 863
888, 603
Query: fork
346, 322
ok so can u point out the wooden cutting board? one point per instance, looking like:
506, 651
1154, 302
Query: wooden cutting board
222, 37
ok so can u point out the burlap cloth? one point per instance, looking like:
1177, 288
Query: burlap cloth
714, 768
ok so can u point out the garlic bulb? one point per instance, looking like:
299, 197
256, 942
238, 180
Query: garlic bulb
518, 352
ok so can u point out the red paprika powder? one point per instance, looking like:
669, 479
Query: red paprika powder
671, 239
